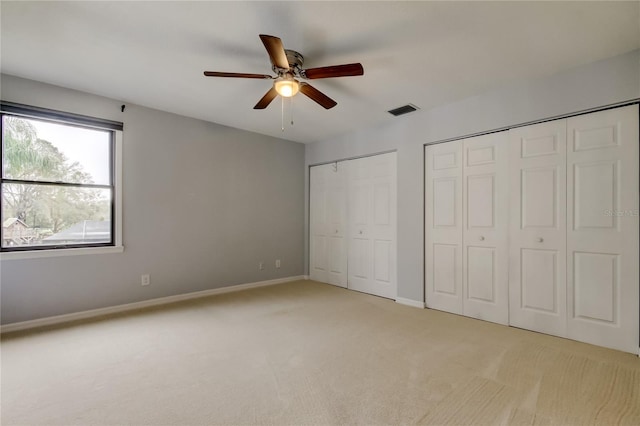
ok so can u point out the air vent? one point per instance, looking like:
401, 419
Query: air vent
405, 109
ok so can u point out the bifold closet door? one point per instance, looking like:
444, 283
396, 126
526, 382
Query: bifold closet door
372, 225
328, 222
574, 228
570, 190
443, 226
485, 222
602, 237
537, 277
466, 225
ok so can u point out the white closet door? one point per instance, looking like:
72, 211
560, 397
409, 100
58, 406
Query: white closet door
443, 226
485, 228
337, 223
372, 225
318, 223
603, 228
537, 272
328, 218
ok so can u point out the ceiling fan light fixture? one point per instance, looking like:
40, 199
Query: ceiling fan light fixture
287, 64
286, 87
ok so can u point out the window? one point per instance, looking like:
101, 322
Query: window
58, 180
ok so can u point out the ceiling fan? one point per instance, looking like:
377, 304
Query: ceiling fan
287, 64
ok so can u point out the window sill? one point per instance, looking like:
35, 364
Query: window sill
35, 254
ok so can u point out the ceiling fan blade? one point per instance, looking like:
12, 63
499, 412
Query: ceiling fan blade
276, 51
317, 96
236, 75
266, 99
347, 70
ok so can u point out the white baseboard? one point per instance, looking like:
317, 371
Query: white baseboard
58, 319
410, 302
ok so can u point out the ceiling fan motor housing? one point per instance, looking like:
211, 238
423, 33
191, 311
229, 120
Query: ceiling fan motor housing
295, 60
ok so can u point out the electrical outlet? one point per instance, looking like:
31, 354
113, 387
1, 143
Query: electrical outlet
145, 279
261, 266
277, 263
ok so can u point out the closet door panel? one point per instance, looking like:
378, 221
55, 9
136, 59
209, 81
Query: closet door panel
445, 269
539, 280
360, 244
372, 225
537, 229
603, 228
445, 192
317, 223
443, 226
383, 220
485, 227
327, 211
337, 224
481, 275
539, 197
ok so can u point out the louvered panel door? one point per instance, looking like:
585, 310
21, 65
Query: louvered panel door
485, 228
372, 225
602, 237
443, 226
537, 235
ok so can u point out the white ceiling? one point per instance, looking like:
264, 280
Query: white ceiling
425, 53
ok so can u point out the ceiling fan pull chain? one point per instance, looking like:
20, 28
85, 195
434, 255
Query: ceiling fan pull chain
291, 107
282, 120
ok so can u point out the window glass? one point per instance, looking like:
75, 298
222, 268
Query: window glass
57, 186
45, 151
37, 215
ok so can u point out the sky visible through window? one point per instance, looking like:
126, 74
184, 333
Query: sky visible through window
88, 147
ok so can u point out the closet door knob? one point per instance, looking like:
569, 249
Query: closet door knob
360, 232
481, 238
540, 240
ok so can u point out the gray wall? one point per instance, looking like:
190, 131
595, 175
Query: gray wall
601, 83
202, 205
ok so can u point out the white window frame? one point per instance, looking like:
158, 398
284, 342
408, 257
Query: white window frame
118, 246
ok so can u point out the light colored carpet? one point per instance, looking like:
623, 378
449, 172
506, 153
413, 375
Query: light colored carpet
309, 353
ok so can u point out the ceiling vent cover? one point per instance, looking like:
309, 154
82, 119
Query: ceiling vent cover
405, 109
